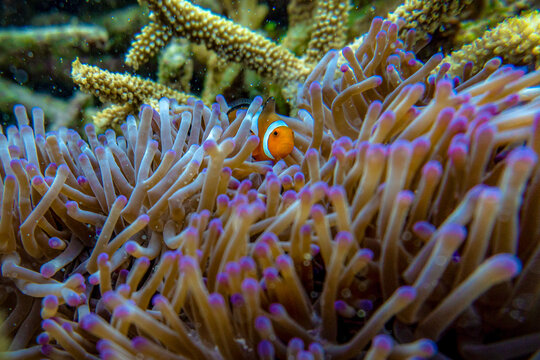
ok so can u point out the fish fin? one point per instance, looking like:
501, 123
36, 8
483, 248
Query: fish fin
266, 117
269, 107
257, 153
238, 104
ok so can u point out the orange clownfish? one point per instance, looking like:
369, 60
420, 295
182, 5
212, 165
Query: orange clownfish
276, 138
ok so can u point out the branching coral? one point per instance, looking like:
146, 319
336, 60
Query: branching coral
128, 92
328, 31
428, 18
232, 45
229, 40
516, 41
409, 203
491, 14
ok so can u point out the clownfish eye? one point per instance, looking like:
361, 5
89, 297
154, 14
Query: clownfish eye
275, 133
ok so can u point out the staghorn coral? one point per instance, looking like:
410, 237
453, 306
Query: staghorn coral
516, 41
493, 13
231, 41
220, 75
328, 31
448, 25
409, 203
429, 18
236, 42
128, 92
37, 64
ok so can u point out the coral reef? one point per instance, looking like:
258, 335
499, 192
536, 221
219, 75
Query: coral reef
231, 41
516, 41
127, 91
231, 45
403, 224
40, 62
433, 18
491, 14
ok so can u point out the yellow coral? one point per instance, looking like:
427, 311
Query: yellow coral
516, 41
428, 17
231, 41
329, 28
128, 91
152, 38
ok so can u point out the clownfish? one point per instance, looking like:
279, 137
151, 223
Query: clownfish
276, 138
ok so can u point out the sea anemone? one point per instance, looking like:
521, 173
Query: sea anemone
404, 220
